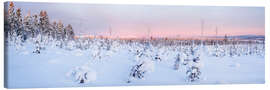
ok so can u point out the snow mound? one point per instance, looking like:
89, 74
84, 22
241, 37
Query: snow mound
78, 53
236, 65
24, 53
148, 65
82, 74
53, 61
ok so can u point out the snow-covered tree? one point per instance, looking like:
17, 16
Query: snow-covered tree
59, 34
28, 27
18, 42
11, 20
54, 29
19, 24
44, 23
37, 44
60, 30
193, 72
140, 69
68, 32
177, 62
35, 26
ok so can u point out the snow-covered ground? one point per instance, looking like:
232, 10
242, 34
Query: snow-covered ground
52, 67
40, 53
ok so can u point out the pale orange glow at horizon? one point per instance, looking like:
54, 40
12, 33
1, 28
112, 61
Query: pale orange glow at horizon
182, 32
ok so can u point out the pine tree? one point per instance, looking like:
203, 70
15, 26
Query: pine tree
54, 29
28, 27
144, 64
193, 69
35, 31
37, 47
177, 62
69, 34
60, 30
140, 69
19, 27
11, 20
44, 23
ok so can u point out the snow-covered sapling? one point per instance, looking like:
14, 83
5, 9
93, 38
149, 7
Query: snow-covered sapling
37, 47
177, 62
37, 42
193, 71
157, 57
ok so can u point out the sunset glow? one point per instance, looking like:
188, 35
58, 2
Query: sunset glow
137, 21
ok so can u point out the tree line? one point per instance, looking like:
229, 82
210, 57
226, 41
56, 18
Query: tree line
30, 26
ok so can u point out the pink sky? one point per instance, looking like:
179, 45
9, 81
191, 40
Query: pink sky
163, 21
